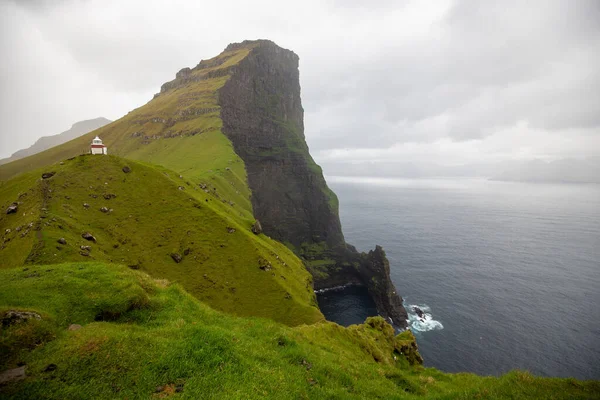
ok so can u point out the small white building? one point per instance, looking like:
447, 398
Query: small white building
97, 147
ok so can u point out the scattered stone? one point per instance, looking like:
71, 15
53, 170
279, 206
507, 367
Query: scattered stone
33, 275
47, 175
181, 188
257, 228
176, 257
86, 248
74, 327
62, 163
12, 375
12, 317
7, 231
12, 209
263, 264
109, 196
126, 169
18, 228
186, 252
104, 209
88, 236
84, 253
306, 364
67, 197
62, 241
94, 196
86, 205
230, 229
202, 185
50, 368
159, 389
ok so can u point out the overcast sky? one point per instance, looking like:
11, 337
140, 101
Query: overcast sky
446, 81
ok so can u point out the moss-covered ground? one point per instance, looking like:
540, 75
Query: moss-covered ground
144, 338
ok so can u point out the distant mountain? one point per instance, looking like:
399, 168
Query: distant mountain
46, 142
559, 171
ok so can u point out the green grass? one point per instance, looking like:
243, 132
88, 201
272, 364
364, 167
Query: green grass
151, 219
140, 334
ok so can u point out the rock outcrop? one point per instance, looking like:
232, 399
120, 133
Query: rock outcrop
262, 115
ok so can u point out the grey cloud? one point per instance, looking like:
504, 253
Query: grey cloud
371, 76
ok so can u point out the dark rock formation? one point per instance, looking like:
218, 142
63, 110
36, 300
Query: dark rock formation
257, 228
375, 272
47, 175
263, 117
176, 257
12, 209
126, 169
62, 241
88, 236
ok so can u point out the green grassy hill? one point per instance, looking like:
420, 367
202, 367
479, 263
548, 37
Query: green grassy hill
143, 338
143, 219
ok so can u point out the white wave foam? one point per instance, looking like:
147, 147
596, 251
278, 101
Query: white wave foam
423, 323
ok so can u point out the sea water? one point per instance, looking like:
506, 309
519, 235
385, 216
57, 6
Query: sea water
506, 274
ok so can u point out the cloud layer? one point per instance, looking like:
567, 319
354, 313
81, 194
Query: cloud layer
455, 81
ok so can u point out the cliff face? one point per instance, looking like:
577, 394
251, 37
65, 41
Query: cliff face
262, 115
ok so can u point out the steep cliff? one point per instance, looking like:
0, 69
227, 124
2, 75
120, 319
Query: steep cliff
262, 115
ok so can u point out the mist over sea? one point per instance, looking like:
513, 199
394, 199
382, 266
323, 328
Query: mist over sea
508, 274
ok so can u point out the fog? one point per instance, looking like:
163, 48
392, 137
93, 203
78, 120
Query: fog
404, 84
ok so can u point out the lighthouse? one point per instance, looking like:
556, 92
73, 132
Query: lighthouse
97, 147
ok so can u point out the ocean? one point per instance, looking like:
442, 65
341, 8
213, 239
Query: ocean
508, 274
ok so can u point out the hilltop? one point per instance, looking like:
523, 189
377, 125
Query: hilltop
47, 142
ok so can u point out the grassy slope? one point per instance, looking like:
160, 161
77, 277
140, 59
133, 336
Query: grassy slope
156, 335
151, 219
166, 131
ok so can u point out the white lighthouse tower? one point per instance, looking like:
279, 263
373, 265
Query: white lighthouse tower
97, 147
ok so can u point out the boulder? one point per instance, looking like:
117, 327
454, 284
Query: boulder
62, 241
86, 248
176, 257
86, 205
108, 196
88, 236
126, 169
230, 229
104, 209
47, 175
257, 228
12, 317
12, 209
11, 375
74, 327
